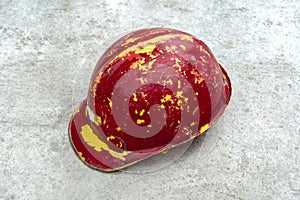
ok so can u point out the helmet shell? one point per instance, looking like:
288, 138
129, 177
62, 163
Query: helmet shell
150, 91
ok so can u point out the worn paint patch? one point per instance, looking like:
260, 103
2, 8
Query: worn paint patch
204, 128
92, 140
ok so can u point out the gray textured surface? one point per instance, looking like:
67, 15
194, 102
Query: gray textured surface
44, 45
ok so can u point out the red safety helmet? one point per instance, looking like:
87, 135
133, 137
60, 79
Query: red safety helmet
152, 90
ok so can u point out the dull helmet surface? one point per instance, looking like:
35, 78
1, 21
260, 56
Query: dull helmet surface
150, 91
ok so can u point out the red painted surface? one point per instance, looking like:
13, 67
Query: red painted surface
153, 89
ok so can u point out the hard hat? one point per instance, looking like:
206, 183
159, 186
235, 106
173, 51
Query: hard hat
151, 90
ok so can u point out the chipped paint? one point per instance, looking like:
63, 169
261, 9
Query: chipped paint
110, 102
224, 76
178, 84
81, 156
204, 128
142, 112
142, 80
111, 137
179, 94
92, 140
140, 121
179, 102
137, 63
187, 37
198, 80
204, 51
134, 97
167, 98
183, 47
147, 49
130, 40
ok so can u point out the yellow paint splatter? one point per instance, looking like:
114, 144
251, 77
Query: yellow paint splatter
98, 120
147, 49
179, 84
179, 94
134, 97
96, 82
140, 121
111, 137
136, 111
144, 68
185, 129
142, 80
110, 102
92, 140
151, 62
193, 123
154, 56
118, 129
130, 40
194, 72
198, 80
179, 102
186, 37
178, 121
120, 145
171, 49
170, 81
162, 106
224, 76
203, 59
203, 50
204, 128
183, 47
147, 67
81, 156
138, 63
142, 112
167, 98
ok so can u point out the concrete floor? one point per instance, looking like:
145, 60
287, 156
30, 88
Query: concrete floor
47, 53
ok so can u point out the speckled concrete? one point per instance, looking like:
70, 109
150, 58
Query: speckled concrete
45, 46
